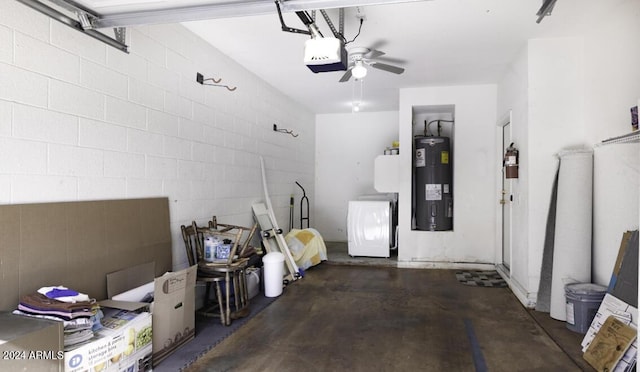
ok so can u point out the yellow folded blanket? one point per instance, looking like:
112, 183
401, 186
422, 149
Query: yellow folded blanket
307, 247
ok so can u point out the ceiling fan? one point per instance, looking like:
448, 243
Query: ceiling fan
360, 57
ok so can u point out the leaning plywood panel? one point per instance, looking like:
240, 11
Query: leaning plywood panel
43, 246
77, 243
87, 248
9, 255
572, 241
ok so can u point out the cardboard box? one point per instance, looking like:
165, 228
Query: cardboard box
123, 344
610, 344
624, 279
612, 306
173, 309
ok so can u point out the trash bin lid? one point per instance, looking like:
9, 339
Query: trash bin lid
585, 288
273, 257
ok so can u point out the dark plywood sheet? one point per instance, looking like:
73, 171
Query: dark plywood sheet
76, 244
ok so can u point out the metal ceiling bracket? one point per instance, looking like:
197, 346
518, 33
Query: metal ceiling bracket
335, 32
304, 17
85, 20
120, 34
84, 15
77, 25
545, 10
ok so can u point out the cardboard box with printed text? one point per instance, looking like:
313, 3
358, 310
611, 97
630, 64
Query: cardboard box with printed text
122, 344
173, 307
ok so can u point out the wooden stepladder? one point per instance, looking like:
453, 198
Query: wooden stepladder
274, 241
271, 234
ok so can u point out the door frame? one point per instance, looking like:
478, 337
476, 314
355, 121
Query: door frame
504, 120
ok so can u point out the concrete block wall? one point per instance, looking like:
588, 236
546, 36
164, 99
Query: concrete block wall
80, 120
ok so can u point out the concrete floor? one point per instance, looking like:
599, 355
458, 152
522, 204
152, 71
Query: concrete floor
365, 317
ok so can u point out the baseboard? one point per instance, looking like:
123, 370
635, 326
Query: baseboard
444, 265
528, 299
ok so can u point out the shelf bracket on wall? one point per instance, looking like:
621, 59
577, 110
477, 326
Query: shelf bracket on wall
202, 80
287, 131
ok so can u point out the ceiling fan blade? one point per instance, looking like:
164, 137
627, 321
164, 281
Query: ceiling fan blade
386, 59
378, 44
385, 67
374, 54
346, 76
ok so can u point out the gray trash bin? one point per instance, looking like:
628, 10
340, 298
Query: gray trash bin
583, 301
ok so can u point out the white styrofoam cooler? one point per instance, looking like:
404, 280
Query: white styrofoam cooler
369, 228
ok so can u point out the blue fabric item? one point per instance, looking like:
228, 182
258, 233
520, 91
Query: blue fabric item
96, 318
56, 292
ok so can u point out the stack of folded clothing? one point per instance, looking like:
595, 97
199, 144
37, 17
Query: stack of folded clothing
80, 314
77, 331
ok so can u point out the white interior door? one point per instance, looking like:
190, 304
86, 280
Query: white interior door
506, 201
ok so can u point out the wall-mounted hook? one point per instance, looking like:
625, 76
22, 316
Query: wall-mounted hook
200, 79
287, 131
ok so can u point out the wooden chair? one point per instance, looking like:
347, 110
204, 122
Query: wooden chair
230, 270
190, 238
246, 249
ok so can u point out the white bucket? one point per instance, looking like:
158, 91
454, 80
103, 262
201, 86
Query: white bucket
273, 273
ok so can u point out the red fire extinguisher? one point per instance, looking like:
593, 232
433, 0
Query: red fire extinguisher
510, 162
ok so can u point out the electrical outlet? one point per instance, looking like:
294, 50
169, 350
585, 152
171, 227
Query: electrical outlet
360, 14
199, 78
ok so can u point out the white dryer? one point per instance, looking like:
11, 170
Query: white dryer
371, 226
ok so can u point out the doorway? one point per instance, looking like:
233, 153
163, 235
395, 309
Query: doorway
506, 200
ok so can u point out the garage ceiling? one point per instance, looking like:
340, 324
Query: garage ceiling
439, 42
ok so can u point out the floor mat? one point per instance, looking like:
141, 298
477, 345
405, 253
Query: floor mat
489, 278
209, 333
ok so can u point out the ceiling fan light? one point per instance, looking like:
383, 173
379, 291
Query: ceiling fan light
359, 71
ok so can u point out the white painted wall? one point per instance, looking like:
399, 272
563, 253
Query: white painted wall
568, 92
556, 122
543, 89
80, 120
611, 65
616, 186
347, 145
473, 237
612, 87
